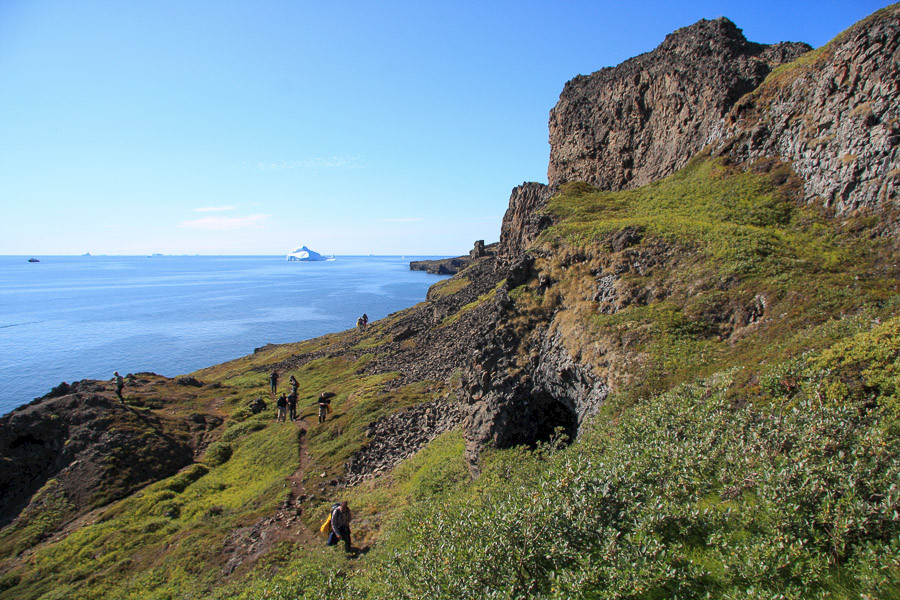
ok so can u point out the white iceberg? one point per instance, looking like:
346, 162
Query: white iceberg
304, 253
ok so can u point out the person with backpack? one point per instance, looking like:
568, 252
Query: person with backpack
294, 384
273, 381
282, 408
365, 321
340, 526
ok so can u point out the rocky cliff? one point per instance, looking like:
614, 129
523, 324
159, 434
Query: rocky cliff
834, 114
632, 124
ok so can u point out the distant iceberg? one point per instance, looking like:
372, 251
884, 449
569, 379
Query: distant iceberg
304, 253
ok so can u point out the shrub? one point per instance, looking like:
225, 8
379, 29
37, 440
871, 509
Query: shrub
217, 454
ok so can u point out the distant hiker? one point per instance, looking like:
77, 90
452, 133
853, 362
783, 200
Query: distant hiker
365, 320
282, 407
359, 324
324, 405
340, 526
120, 384
292, 405
294, 384
273, 381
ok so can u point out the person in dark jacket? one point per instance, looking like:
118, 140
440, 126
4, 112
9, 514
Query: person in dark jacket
324, 402
292, 406
340, 526
273, 381
282, 408
120, 384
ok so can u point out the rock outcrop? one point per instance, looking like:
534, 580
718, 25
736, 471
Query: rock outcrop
835, 115
627, 126
452, 266
87, 447
524, 220
401, 435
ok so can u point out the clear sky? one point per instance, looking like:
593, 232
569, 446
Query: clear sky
386, 127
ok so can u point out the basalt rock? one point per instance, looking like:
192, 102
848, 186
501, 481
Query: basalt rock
524, 220
629, 125
452, 266
401, 435
835, 115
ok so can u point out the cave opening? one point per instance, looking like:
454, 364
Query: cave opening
549, 414
25, 440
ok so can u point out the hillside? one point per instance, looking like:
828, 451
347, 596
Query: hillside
676, 375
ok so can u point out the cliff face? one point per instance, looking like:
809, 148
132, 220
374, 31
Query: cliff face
629, 125
524, 219
834, 114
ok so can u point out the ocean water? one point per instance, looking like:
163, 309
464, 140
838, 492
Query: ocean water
68, 318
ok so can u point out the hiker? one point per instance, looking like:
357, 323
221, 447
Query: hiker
324, 405
365, 320
292, 405
340, 526
359, 324
273, 381
294, 384
282, 407
120, 384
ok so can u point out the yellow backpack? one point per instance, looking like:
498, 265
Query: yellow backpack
326, 526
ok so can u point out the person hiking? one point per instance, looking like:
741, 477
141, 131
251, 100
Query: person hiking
340, 526
359, 324
292, 405
273, 381
282, 407
294, 384
324, 405
120, 384
365, 320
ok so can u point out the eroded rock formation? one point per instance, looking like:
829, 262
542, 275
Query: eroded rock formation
629, 125
835, 115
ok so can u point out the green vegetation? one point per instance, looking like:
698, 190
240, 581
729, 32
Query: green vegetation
687, 494
751, 447
727, 269
448, 287
167, 538
484, 298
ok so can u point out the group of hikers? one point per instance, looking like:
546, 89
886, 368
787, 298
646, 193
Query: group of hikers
338, 522
362, 322
287, 403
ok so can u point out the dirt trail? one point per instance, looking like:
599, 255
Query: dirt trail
248, 544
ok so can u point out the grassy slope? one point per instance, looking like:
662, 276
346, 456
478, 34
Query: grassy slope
749, 460
168, 539
737, 460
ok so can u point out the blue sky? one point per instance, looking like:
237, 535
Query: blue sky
218, 127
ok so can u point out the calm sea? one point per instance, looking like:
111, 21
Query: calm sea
69, 318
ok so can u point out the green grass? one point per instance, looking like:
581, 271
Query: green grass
715, 240
481, 300
448, 287
168, 537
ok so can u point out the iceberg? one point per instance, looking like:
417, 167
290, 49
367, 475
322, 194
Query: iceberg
304, 253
